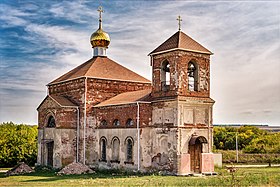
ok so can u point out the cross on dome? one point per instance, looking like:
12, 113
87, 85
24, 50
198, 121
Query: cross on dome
100, 10
100, 40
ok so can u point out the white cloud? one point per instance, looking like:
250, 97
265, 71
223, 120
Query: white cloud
243, 35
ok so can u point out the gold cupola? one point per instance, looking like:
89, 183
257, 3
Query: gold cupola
100, 40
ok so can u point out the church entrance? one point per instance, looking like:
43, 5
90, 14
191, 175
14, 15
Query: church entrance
195, 150
50, 153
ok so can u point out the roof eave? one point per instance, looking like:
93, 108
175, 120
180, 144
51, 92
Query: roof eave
69, 106
60, 105
117, 104
53, 83
174, 49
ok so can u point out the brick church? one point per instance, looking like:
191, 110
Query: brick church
104, 115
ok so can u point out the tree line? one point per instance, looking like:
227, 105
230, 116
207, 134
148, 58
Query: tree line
250, 139
18, 143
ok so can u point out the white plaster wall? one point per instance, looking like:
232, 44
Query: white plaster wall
185, 136
146, 147
192, 111
165, 114
122, 134
39, 155
61, 151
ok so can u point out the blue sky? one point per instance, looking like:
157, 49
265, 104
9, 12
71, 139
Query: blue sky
41, 40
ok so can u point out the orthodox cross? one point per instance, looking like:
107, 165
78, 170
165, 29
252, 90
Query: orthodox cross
179, 20
100, 10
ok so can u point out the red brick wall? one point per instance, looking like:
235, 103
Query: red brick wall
178, 61
64, 117
73, 90
98, 90
123, 113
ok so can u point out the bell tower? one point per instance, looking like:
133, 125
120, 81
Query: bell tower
181, 100
180, 68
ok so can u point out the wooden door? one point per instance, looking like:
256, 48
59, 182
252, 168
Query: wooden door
50, 154
195, 154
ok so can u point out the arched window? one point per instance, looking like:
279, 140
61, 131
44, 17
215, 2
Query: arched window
103, 122
129, 149
165, 76
116, 122
51, 122
115, 149
192, 76
103, 145
129, 122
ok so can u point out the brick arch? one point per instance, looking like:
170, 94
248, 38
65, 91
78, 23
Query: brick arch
127, 138
116, 122
195, 62
49, 113
103, 123
103, 138
115, 138
163, 143
129, 122
115, 149
195, 150
129, 149
165, 75
193, 76
164, 61
103, 148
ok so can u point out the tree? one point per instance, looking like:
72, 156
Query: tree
268, 143
248, 133
224, 138
18, 143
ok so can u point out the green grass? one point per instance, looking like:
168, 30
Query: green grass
4, 169
243, 177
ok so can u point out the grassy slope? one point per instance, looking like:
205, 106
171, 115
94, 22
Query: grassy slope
244, 177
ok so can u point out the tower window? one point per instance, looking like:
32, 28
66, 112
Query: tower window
165, 76
192, 76
51, 122
103, 149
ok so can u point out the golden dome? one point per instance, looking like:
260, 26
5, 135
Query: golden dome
100, 38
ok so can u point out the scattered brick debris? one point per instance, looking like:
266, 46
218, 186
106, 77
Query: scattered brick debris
19, 169
75, 168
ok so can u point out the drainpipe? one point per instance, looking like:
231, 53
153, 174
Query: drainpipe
85, 120
209, 121
43, 148
78, 134
138, 136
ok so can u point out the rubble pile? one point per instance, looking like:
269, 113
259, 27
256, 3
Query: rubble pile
20, 169
75, 168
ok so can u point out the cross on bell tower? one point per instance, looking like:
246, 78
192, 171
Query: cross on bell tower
179, 21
